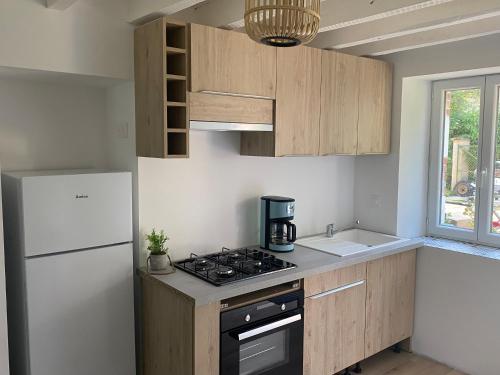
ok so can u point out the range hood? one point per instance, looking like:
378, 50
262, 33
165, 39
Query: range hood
229, 126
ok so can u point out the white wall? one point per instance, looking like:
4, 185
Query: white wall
414, 157
4, 349
212, 199
91, 37
49, 126
457, 310
377, 177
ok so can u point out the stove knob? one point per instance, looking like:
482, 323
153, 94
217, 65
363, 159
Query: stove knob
247, 318
283, 307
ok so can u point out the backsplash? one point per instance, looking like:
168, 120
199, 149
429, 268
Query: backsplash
212, 199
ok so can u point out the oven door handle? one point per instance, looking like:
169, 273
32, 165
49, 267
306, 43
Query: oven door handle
269, 327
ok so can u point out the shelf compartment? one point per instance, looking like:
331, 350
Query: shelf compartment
176, 117
176, 35
177, 144
174, 51
174, 77
176, 64
175, 104
176, 91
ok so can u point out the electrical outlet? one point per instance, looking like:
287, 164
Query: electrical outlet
376, 200
121, 130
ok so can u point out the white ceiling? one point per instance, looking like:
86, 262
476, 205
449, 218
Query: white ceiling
354, 26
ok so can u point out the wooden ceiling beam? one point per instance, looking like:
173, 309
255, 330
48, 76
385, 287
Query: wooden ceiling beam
427, 18
339, 14
457, 32
141, 11
60, 4
335, 13
218, 13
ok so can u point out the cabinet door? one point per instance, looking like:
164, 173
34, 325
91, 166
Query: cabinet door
334, 329
389, 301
339, 103
226, 61
375, 95
298, 101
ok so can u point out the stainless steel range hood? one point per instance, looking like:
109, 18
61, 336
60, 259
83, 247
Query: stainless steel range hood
229, 126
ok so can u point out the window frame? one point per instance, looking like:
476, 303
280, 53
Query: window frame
434, 226
488, 160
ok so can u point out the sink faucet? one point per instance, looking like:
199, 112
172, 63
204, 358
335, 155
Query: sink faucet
331, 229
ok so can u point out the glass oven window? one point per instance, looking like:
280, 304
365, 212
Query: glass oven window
265, 353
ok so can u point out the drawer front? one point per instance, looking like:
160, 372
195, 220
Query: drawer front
333, 279
227, 108
334, 330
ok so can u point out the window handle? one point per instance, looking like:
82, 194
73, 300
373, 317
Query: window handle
484, 174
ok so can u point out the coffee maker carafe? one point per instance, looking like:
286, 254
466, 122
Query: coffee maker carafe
277, 233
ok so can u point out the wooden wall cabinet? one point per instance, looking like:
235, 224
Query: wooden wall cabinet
334, 326
161, 79
356, 96
229, 62
339, 103
390, 301
320, 102
297, 108
375, 103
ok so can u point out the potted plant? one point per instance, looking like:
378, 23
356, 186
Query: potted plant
158, 260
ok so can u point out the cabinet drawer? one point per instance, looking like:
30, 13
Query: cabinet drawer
334, 279
226, 108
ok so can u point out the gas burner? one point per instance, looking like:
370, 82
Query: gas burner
257, 264
235, 256
202, 264
229, 266
232, 258
225, 272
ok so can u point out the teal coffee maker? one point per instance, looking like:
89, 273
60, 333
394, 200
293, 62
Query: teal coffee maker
277, 232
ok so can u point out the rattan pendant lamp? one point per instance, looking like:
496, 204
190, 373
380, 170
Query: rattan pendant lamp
282, 23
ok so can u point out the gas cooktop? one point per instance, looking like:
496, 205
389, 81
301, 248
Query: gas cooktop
229, 266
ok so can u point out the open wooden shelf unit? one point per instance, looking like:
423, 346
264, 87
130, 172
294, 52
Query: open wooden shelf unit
161, 79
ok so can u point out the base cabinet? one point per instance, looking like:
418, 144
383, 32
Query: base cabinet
355, 312
334, 331
178, 337
389, 301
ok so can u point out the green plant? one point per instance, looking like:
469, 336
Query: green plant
157, 242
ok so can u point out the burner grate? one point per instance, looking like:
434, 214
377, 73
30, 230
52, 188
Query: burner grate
230, 266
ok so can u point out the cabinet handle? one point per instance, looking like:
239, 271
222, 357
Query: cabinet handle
235, 94
297, 155
269, 327
337, 290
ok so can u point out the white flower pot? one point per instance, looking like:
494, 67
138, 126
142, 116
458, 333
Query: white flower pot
159, 263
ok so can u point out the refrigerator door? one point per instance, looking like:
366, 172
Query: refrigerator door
80, 312
68, 212
4, 347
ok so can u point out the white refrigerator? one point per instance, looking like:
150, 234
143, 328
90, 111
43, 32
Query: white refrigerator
69, 272
4, 347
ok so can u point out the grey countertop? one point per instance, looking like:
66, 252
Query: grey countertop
308, 261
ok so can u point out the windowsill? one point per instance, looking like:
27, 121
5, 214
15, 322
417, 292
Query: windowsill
483, 251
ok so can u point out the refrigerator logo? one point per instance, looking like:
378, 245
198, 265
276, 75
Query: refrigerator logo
81, 196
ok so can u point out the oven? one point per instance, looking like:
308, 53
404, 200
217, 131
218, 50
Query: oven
264, 337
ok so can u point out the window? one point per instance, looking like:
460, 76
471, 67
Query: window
464, 175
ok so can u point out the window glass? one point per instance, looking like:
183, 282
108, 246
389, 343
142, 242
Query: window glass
460, 153
495, 219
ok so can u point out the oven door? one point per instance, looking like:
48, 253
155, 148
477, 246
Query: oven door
273, 346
